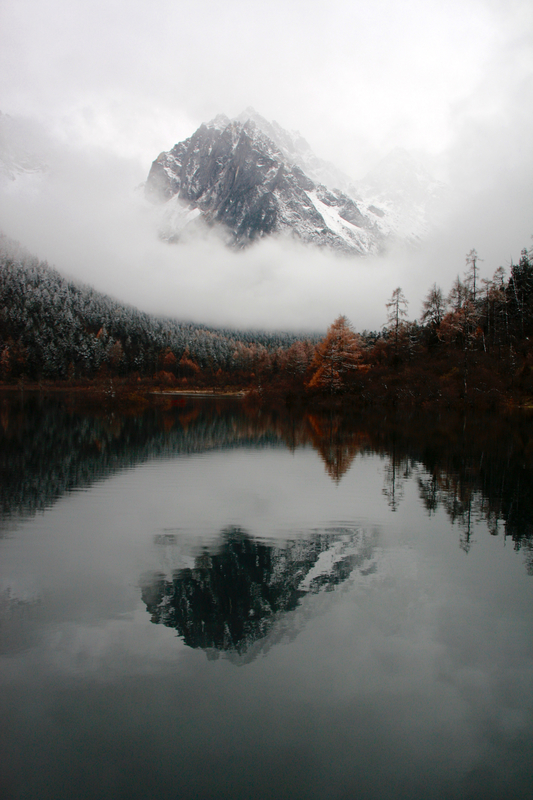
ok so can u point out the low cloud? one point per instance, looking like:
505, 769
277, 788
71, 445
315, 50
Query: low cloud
86, 214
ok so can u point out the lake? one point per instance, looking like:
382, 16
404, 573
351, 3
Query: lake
209, 601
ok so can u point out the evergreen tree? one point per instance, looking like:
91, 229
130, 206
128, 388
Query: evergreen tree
336, 357
433, 307
397, 312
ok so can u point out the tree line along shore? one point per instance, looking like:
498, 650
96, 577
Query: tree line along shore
472, 346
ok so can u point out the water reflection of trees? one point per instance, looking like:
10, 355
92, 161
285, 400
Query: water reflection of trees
478, 468
482, 471
49, 446
463, 502
336, 445
237, 593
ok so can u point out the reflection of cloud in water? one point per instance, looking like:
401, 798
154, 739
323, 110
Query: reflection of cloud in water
16, 600
237, 597
18, 603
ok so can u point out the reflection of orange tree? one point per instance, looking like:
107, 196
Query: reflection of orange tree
336, 357
169, 416
336, 446
186, 418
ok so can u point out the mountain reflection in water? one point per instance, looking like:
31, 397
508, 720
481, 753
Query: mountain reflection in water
473, 467
236, 595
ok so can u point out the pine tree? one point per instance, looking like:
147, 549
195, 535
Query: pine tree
433, 307
336, 357
472, 273
397, 311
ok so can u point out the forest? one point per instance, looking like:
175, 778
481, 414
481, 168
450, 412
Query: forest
471, 346
52, 329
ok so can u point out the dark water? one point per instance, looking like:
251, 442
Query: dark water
204, 602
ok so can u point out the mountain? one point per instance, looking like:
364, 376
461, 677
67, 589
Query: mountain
20, 154
231, 173
253, 179
402, 186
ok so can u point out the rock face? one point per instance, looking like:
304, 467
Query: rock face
297, 151
255, 179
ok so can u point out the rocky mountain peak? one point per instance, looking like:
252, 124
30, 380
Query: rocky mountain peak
253, 179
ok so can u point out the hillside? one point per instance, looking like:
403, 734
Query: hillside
53, 328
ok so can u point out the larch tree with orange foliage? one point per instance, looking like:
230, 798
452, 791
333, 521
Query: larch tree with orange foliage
336, 357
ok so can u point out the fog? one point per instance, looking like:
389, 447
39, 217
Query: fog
99, 90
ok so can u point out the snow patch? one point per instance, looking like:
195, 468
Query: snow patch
350, 233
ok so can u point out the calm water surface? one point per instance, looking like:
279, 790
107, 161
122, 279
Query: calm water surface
204, 602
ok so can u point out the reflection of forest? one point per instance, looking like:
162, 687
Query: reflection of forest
474, 468
236, 594
48, 447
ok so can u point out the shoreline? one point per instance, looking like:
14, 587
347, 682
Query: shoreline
200, 393
123, 394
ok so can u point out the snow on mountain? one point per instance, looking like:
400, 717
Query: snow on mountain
401, 185
19, 152
297, 151
251, 178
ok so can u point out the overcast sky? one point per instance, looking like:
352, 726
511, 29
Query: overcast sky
109, 85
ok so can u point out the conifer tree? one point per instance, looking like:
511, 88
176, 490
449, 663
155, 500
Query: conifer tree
433, 307
336, 357
396, 313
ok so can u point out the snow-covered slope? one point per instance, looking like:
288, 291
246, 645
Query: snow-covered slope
402, 186
297, 151
19, 152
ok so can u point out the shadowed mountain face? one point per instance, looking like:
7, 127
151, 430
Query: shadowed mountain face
236, 595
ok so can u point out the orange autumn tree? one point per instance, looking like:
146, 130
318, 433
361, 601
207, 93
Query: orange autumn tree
336, 357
